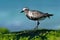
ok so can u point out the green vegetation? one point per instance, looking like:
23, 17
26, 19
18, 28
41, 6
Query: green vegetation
42, 34
4, 30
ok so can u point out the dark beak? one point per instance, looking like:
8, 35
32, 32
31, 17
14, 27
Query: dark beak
21, 11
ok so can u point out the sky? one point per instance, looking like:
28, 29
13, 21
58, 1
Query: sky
11, 18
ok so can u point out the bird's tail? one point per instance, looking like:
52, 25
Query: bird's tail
48, 15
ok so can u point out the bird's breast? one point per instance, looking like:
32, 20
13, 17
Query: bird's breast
31, 18
30, 14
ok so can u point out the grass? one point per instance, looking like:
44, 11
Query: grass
43, 34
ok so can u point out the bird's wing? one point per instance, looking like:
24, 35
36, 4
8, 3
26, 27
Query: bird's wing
37, 14
37, 11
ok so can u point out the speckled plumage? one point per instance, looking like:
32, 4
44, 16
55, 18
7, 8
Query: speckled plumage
36, 15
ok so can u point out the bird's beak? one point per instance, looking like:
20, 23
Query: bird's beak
21, 11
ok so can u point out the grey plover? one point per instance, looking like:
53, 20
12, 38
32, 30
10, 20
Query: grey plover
35, 15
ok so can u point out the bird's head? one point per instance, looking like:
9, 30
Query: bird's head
25, 10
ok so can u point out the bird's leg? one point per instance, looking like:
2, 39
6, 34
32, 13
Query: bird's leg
37, 25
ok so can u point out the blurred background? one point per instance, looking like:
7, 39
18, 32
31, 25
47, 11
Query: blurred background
11, 18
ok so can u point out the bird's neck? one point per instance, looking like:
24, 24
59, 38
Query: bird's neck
27, 12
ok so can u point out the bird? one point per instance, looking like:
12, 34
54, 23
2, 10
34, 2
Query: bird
35, 15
